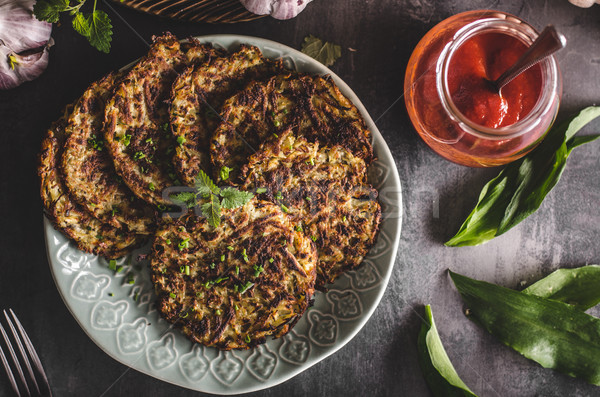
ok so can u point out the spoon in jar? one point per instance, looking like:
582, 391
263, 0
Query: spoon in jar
547, 43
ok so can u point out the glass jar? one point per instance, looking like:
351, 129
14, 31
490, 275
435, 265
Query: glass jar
436, 116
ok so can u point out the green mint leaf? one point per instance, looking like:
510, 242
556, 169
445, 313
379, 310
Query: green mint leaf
233, 198
81, 25
520, 188
100, 30
438, 371
49, 10
205, 186
576, 287
187, 198
324, 52
554, 334
212, 211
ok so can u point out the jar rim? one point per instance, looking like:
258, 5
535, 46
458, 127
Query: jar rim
515, 27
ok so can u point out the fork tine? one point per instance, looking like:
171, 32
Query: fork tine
14, 358
32, 353
22, 351
11, 377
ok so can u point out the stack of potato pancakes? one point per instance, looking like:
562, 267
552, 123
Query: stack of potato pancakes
291, 139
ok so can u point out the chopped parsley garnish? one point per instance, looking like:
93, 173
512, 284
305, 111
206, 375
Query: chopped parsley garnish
111, 294
212, 265
307, 198
180, 140
237, 270
139, 156
278, 196
219, 279
218, 312
126, 139
244, 255
230, 248
114, 211
161, 207
276, 123
261, 190
223, 258
271, 260
149, 140
298, 228
96, 143
173, 295
344, 218
165, 126
314, 238
284, 208
248, 339
187, 270
112, 264
151, 186
130, 278
168, 241
208, 284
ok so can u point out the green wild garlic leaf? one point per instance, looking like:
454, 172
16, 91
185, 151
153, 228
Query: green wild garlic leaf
520, 188
579, 287
552, 333
325, 52
439, 373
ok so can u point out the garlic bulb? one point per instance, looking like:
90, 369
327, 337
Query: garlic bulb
24, 43
584, 3
278, 9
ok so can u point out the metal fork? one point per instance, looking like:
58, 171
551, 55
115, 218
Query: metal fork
21, 338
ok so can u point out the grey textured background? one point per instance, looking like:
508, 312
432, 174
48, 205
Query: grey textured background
382, 359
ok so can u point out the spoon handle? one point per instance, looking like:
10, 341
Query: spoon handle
547, 43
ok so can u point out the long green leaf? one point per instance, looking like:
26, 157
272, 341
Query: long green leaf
578, 287
552, 333
439, 373
520, 188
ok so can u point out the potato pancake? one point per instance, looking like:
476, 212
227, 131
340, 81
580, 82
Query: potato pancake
312, 105
87, 232
137, 117
234, 285
324, 191
88, 169
199, 92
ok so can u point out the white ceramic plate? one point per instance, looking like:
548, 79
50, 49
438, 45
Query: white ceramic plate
119, 316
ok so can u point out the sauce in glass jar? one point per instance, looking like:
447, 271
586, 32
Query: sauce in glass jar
453, 108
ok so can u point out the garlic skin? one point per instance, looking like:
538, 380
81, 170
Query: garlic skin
24, 43
584, 3
278, 9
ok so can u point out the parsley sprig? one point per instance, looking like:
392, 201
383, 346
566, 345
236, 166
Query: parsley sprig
94, 26
211, 198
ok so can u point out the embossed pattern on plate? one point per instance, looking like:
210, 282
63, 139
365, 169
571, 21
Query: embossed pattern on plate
116, 308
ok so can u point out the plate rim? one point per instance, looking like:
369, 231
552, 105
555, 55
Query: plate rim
393, 174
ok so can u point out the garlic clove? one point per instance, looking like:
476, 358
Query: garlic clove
15, 68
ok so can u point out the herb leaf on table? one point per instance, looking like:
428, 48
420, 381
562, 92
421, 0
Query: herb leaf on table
94, 26
439, 373
325, 52
520, 188
554, 334
578, 287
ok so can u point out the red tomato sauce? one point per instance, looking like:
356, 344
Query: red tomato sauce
487, 56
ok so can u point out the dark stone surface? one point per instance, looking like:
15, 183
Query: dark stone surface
381, 360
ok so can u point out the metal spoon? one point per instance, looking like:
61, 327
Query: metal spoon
547, 43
